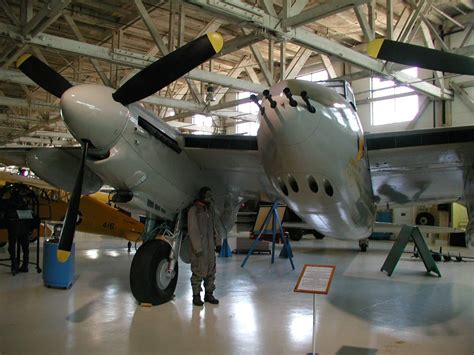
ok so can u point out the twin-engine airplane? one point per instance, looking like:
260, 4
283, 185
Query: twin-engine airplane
310, 152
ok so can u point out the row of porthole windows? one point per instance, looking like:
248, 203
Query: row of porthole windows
312, 184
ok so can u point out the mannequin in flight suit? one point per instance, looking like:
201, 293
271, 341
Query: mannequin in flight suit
204, 244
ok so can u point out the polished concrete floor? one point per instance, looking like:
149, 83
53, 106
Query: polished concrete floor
366, 312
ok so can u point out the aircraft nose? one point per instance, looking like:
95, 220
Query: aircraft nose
91, 114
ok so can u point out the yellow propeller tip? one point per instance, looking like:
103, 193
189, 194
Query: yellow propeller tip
216, 40
63, 255
22, 59
373, 48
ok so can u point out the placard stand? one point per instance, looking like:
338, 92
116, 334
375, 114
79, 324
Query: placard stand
315, 279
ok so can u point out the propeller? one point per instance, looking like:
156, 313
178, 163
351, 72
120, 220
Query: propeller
169, 68
43, 75
69, 227
145, 83
422, 57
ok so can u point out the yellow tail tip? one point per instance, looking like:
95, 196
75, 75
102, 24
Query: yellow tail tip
63, 255
216, 40
373, 48
22, 59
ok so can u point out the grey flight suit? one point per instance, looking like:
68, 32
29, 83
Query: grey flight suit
203, 240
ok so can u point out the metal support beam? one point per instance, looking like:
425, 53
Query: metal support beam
434, 33
262, 65
9, 13
271, 57
267, 5
429, 43
234, 73
299, 36
240, 42
298, 61
449, 18
389, 16
463, 95
364, 24
45, 17
211, 26
320, 11
94, 62
467, 37
328, 66
282, 60
161, 45
371, 16
11, 101
401, 23
467, 50
316, 43
298, 6
252, 75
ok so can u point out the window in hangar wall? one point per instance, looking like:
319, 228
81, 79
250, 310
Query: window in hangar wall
202, 120
316, 76
247, 128
393, 110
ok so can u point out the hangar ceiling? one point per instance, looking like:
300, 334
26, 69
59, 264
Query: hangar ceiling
103, 42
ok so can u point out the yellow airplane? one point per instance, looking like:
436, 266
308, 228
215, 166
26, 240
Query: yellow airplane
96, 216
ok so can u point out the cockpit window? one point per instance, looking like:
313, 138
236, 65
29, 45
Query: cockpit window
343, 88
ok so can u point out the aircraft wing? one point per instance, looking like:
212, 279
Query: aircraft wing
7, 177
428, 166
234, 160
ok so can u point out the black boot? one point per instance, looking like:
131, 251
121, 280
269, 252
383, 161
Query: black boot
14, 267
24, 268
197, 301
210, 298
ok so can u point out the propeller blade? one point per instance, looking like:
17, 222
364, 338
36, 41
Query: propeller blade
43, 75
416, 56
169, 68
69, 227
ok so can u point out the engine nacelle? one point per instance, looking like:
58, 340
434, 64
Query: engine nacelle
59, 167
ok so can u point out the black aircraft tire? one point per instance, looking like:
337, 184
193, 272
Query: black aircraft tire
295, 234
425, 219
2, 244
146, 288
318, 235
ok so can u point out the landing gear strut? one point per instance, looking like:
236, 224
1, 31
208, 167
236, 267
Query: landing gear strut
154, 270
363, 244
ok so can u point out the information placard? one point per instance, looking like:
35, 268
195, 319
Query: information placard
315, 279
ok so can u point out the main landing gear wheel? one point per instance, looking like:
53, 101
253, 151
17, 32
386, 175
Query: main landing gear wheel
318, 235
149, 278
363, 245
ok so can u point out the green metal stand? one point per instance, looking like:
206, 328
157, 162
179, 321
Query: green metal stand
406, 234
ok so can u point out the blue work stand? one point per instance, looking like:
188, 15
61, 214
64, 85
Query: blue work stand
286, 251
55, 273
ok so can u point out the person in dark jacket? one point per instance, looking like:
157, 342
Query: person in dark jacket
204, 244
19, 227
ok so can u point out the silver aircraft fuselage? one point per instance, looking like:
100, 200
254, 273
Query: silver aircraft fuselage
315, 161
